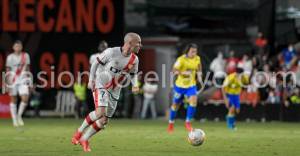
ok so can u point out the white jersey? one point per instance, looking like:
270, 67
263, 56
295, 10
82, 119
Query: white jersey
114, 63
149, 90
218, 67
17, 63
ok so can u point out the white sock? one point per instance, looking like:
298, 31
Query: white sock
89, 120
171, 121
13, 112
21, 109
93, 129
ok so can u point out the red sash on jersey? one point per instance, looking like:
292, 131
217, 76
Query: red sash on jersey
20, 69
113, 83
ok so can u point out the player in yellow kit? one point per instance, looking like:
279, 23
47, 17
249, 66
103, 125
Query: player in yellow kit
185, 68
232, 88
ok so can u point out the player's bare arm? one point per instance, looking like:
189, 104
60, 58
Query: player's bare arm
225, 98
134, 81
93, 70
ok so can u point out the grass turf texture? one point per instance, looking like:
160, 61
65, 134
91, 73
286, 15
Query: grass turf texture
149, 138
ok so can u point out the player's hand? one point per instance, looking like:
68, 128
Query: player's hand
91, 84
186, 73
135, 90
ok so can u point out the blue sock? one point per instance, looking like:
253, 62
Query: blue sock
230, 121
172, 115
233, 121
190, 113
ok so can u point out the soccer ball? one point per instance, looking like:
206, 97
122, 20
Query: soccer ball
196, 137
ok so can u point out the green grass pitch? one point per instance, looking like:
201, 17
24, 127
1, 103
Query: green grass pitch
43, 137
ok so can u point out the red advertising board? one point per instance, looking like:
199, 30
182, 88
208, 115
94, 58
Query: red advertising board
4, 106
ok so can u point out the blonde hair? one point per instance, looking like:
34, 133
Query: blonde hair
129, 36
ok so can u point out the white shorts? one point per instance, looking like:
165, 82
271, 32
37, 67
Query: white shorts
104, 98
20, 89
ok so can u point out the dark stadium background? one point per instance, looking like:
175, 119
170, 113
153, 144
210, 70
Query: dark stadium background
165, 26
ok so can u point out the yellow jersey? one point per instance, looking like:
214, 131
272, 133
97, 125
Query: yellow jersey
233, 84
186, 64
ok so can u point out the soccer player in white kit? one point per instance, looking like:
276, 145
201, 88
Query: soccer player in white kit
118, 63
18, 81
101, 47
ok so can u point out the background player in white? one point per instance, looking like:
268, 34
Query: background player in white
150, 89
101, 47
117, 64
17, 81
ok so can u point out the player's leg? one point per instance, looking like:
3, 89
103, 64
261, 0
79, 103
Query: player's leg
172, 116
230, 117
22, 107
230, 113
177, 100
97, 126
192, 95
173, 111
89, 119
153, 109
24, 94
234, 102
13, 109
190, 112
236, 110
13, 92
146, 104
105, 111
